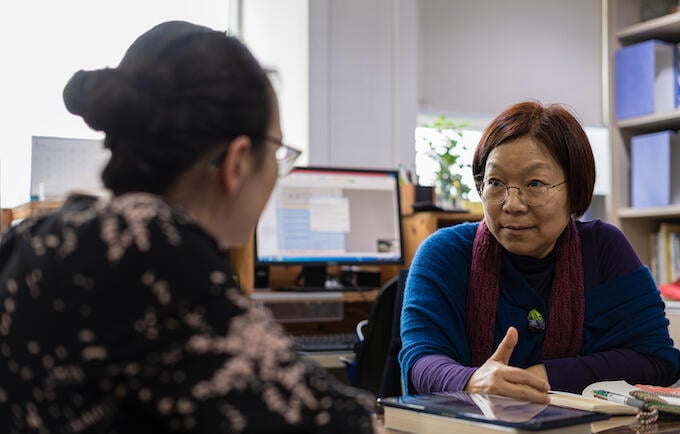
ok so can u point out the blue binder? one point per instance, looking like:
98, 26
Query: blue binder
646, 79
652, 158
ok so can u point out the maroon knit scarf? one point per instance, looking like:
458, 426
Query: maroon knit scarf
564, 327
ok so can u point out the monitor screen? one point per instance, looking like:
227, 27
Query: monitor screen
62, 165
322, 215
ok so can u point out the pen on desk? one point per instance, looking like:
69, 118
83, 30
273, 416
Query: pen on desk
621, 399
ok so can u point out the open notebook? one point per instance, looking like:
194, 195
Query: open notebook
665, 399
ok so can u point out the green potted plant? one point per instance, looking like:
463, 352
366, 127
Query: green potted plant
444, 146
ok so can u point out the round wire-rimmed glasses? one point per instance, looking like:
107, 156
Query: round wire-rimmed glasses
285, 156
534, 193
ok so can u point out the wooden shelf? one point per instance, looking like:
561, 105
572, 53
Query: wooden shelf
6, 218
652, 122
36, 207
665, 28
420, 225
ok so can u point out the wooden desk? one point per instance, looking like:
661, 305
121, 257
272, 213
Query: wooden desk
27, 210
35, 207
6, 218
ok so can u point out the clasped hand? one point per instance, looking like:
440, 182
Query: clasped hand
497, 377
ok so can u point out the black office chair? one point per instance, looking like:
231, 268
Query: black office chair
377, 365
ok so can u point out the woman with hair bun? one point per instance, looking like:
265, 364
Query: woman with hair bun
123, 314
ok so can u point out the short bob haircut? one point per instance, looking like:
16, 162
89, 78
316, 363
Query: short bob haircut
559, 131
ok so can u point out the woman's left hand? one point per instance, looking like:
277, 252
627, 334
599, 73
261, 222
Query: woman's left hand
497, 377
539, 371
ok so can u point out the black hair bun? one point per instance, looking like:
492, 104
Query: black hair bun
104, 98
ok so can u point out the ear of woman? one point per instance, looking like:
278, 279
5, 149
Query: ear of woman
237, 164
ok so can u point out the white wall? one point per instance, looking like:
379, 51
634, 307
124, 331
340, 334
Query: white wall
363, 82
372, 65
479, 56
43, 42
352, 73
276, 31
347, 76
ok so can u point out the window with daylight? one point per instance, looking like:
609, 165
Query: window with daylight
425, 165
46, 42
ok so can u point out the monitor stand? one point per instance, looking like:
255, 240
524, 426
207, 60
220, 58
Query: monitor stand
314, 276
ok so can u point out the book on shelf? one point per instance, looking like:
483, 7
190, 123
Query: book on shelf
470, 413
653, 260
668, 235
675, 256
645, 79
664, 248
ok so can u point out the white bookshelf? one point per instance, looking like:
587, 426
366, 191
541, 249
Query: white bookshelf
665, 28
625, 28
653, 122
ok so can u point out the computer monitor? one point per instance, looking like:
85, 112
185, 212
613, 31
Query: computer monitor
318, 216
63, 165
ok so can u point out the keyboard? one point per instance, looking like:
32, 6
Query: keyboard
332, 342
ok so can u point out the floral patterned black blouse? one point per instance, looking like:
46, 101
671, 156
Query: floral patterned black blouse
123, 316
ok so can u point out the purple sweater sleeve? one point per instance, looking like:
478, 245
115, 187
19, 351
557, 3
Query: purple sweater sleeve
438, 373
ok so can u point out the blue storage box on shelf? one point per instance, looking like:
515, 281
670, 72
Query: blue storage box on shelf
646, 76
655, 169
